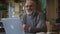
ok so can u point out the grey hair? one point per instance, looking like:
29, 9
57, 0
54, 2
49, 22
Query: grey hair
38, 5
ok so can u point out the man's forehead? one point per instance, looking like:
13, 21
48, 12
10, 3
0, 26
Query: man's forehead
30, 2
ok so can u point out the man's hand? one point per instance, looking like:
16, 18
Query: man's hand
38, 25
26, 27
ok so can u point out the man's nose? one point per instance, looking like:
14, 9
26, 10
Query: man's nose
29, 7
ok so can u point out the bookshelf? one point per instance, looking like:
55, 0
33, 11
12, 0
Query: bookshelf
3, 10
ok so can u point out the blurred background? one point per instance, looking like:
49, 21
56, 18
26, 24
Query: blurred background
15, 8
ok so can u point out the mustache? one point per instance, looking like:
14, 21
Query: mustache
29, 12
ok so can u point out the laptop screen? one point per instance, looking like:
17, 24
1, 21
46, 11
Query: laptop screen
13, 26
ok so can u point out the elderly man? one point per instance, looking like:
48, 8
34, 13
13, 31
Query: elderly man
33, 20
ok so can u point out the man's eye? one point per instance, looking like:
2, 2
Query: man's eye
29, 6
26, 6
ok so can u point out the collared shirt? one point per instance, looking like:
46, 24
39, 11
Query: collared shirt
33, 20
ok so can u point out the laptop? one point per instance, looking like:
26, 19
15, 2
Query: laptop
13, 26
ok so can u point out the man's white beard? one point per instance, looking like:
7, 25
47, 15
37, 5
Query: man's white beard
29, 13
